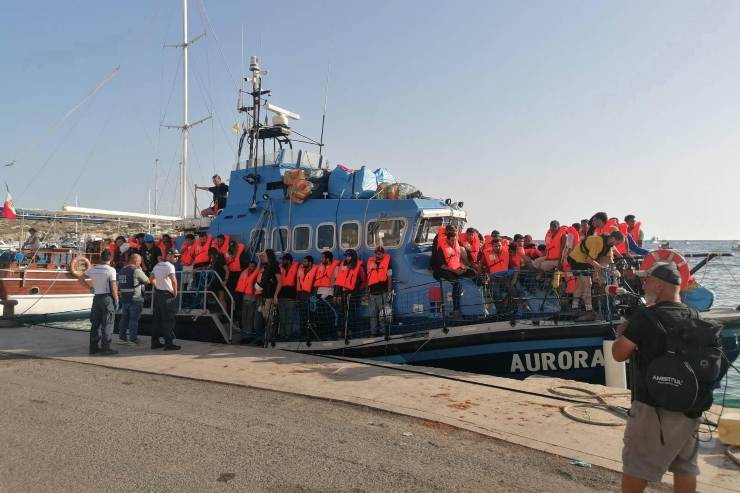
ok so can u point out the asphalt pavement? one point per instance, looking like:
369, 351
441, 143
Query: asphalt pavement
74, 427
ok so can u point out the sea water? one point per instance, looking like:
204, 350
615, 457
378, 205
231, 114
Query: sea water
721, 275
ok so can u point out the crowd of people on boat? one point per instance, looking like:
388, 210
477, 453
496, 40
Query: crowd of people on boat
576, 251
275, 293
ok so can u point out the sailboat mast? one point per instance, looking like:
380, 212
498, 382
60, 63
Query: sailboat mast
185, 123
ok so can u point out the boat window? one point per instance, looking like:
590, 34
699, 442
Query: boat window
257, 237
325, 237
386, 232
349, 235
301, 238
427, 230
280, 239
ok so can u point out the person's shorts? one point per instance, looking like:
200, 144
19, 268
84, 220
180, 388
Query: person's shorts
580, 269
645, 457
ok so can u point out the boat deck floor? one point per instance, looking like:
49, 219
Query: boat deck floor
531, 420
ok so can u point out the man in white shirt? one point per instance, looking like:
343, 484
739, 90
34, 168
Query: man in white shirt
105, 302
165, 302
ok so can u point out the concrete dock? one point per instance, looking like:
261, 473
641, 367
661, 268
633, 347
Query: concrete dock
528, 420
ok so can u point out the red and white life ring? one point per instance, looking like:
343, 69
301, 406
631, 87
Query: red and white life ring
74, 266
667, 255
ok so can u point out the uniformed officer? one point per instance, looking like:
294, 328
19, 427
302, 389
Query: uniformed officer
105, 303
165, 302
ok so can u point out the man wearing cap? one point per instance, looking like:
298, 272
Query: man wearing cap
655, 440
150, 254
165, 302
379, 285
105, 301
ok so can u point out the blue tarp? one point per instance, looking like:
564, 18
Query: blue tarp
348, 183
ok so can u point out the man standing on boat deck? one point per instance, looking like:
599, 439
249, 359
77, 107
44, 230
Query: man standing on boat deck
220, 191
657, 440
131, 282
583, 260
105, 301
165, 302
379, 287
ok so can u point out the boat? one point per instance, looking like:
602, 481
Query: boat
293, 201
43, 285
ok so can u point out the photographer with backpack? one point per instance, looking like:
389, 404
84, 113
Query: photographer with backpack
676, 357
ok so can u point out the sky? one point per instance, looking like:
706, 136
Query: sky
525, 111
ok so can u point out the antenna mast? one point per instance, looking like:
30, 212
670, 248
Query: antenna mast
185, 127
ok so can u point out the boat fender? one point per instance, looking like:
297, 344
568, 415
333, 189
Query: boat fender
74, 266
615, 372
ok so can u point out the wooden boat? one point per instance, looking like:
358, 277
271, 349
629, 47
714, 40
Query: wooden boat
44, 287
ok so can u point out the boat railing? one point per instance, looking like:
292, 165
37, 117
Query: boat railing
517, 297
198, 298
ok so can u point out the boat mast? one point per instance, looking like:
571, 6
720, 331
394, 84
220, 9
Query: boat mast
185, 127
185, 124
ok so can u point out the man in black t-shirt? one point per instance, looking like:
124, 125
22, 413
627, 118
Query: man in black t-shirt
220, 191
270, 283
655, 440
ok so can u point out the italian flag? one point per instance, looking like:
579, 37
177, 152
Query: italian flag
8, 207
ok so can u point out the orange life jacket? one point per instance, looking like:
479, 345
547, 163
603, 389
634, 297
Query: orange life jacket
347, 277
289, 276
452, 255
223, 248
473, 246
246, 281
186, 256
611, 225
496, 262
576, 235
441, 238
532, 253
552, 243
324, 274
635, 233
305, 280
200, 250
378, 273
234, 263
133, 243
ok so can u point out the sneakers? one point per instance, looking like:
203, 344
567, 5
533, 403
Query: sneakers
157, 345
133, 342
121, 341
172, 347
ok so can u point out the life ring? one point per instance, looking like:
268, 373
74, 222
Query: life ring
74, 265
667, 255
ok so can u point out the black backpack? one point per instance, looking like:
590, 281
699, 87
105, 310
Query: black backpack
682, 378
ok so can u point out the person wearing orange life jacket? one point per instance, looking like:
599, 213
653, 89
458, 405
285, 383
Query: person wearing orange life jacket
165, 244
379, 286
287, 296
233, 257
597, 223
304, 290
471, 241
186, 260
496, 254
555, 245
452, 269
245, 287
634, 229
222, 243
200, 250
325, 274
348, 286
